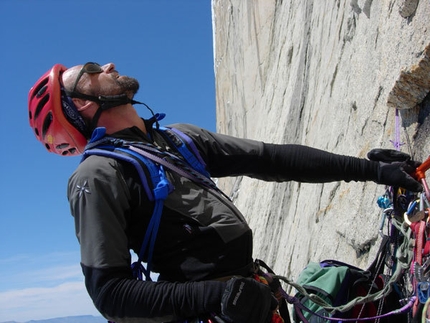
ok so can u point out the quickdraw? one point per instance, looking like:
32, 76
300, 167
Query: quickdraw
417, 218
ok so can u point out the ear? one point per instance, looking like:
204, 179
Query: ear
83, 105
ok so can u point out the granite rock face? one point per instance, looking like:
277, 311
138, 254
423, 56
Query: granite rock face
331, 75
412, 85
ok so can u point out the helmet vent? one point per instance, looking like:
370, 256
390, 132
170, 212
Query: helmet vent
40, 105
46, 124
41, 88
41, 91
62, 146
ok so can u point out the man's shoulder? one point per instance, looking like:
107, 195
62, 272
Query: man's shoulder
96, 162
188, 128
96, 166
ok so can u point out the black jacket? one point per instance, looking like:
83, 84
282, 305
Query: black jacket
202, 236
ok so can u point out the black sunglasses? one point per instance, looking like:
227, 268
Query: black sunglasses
89, 68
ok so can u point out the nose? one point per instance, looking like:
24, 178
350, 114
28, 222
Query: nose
109, 68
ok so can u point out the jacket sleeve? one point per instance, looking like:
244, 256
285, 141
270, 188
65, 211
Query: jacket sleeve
99, 202
231, 156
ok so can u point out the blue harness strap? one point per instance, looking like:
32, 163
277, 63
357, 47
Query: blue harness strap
161, 190
158, 194
193, 158
108, 151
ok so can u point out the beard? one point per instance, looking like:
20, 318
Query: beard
128, 85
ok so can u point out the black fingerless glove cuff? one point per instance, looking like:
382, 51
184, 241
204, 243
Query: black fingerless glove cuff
212, 295
247, 301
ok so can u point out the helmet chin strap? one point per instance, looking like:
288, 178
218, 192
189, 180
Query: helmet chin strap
105, 103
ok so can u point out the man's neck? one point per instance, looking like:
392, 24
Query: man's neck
120, 118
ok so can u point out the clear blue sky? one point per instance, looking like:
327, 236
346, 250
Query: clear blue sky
165, 44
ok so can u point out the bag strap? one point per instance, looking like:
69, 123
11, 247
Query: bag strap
403, 256
159, 192
181, 142
175, 164
275, 286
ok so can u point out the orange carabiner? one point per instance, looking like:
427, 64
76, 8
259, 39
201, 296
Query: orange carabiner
420, 174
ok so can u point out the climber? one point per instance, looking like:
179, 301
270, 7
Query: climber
203, 250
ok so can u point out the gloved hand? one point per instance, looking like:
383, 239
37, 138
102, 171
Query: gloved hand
388, 155
395, 169
247, 301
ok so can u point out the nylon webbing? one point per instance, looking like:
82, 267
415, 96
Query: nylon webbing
175, 164
404, 256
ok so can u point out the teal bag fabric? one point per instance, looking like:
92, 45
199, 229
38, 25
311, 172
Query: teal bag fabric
337, 284
326, 282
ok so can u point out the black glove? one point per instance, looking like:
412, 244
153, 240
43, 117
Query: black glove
395, 169
247, 301
388, 155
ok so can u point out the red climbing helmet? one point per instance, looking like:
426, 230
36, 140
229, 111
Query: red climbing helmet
53, 116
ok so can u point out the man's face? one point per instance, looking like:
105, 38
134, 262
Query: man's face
108, 82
